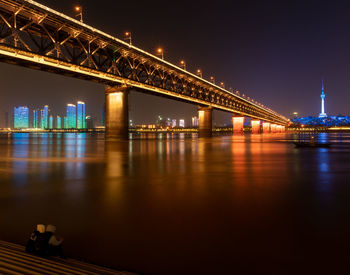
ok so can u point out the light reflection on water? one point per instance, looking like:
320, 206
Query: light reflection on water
144, 202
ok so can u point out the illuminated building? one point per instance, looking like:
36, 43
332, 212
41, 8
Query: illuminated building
21, 117
65, 123
44, 117
50, 122
194, 121
36, 118
173, 123
323, 95
89, 122
168, 122
181, 123
71, 116
58, 122
81, 115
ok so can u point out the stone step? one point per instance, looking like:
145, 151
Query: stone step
14, 260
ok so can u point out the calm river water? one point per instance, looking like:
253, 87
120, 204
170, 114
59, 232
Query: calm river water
176, 204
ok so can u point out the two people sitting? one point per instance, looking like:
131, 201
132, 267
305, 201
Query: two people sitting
44, 242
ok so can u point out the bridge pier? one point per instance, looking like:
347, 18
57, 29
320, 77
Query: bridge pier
117, 112
273, 128
266, 127
255, 126
237, 123
205, 115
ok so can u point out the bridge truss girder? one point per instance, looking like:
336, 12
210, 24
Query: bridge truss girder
34, 37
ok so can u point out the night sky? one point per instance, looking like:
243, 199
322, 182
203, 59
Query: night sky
276, 52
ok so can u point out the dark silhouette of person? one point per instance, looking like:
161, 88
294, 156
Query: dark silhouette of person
54, 242
31, 244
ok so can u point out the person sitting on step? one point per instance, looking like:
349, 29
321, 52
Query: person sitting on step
54, 242
31, 244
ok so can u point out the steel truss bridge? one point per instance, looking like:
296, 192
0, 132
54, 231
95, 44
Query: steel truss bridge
35, 36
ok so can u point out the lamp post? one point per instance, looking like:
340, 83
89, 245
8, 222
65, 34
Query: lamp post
79, 11
212, 79
183, 64
199, 73
160, 52
128, 37
222, 85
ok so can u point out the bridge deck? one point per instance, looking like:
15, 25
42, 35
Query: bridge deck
14, 260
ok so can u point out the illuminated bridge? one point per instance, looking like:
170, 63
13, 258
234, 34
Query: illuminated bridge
41, 38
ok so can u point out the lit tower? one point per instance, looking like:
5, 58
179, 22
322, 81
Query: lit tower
323, 95
81, 115
71, 116
21, 117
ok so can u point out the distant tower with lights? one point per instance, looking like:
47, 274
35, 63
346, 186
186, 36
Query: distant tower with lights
323, 95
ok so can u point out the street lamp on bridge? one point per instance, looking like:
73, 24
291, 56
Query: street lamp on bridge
160, 52
183, 64
79, 11
222, 85
128, 37
212, 79
199, 73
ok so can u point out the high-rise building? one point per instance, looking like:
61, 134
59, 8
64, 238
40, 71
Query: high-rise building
71, 116
323, 95
181, 123
89, 122
194, 121
81, 115
36, 118
44, 117
51, 122
65, 123
21, 117
58, 122
173, 123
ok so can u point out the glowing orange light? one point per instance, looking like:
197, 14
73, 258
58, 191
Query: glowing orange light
77, 8
160, 50
182, 62
127, 34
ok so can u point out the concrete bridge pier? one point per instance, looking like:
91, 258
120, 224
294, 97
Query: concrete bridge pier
205, 115
266, 127
117, 112
238, 122
255, 126
273, 128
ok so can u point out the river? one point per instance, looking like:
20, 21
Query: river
176, 204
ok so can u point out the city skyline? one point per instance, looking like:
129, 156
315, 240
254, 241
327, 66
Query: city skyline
43, 118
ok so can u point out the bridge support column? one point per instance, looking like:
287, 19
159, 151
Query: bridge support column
117, 112
238, 123
266, 127
273, 128
255, 126
205, 121
281, 128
